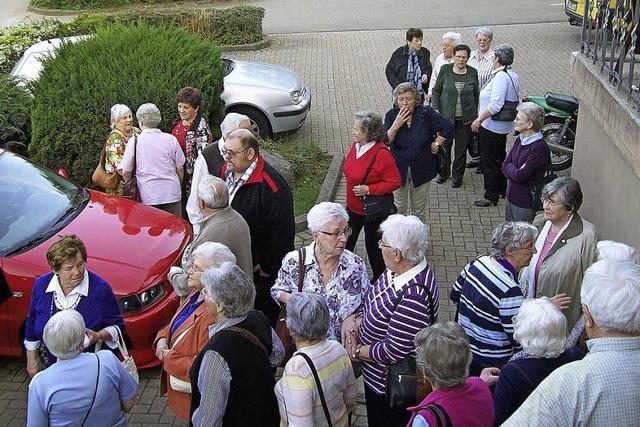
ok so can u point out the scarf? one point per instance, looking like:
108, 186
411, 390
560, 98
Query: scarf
414, 73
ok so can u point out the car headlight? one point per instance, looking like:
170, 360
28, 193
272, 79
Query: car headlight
297, 96
142, 300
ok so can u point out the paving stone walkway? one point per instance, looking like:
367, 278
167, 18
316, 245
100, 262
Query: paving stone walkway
345, 73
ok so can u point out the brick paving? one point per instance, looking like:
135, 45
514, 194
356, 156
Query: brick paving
345, 73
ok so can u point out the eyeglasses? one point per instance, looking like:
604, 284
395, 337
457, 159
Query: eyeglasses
347, 232
550, 202
192, 268
230, 153
531, 247
381, 244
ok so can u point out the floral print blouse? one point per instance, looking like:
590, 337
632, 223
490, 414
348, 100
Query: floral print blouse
344, 293
114, 150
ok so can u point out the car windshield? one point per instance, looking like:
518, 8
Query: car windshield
35, 203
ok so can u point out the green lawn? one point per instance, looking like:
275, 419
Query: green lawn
309, 165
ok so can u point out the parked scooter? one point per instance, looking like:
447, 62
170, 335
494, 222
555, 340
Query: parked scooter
559, 128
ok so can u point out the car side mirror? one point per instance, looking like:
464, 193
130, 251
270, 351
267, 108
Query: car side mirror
63, 173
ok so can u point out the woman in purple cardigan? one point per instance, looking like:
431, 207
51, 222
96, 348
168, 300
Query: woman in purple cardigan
70, 287
526, 163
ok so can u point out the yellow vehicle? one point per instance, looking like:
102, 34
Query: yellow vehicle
574, 10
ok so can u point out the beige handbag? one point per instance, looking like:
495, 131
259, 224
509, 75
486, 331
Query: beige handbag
174, 382
127, 361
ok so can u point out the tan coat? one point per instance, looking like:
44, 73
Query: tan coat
227, 227
563, 269
185, 344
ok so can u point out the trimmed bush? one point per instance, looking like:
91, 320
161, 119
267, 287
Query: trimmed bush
121, 64
90, 4
235, 25
15, 115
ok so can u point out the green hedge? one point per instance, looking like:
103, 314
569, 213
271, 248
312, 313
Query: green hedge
235, 25
91, 4
121, 64
15, 113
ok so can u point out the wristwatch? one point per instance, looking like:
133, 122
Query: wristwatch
356, 354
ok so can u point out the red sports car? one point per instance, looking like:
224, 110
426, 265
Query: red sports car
129, 245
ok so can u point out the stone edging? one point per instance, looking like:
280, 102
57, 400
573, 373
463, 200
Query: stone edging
265, 42
328, 189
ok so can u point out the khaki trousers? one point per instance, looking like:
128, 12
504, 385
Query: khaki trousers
412, 200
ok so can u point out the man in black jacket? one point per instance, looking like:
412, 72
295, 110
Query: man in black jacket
262, 196
410, 63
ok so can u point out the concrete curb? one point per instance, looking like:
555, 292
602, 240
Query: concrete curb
265, 42
166, 5
328, 189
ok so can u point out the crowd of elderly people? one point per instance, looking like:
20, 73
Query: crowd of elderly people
511, 355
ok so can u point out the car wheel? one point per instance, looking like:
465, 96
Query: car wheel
259, 123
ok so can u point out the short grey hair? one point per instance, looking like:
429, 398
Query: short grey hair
370, 124
214, 192
148, 115
64, 334
608, 249
504, 53
405, 87
325, 212
117, 111
228, 286
443, 352
485, 31
308, 316
454, 38
533, 113
407, 234
214, 254
611, 291
511, 236
567, 190
541, 328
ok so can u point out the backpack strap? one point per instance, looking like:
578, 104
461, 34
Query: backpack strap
325, 408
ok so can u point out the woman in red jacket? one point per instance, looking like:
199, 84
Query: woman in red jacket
369, 170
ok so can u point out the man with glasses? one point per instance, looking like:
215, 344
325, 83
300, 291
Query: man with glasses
262, 196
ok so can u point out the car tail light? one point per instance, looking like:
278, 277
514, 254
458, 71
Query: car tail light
140, 301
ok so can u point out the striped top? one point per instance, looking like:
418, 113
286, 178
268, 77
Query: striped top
297, 394
482, 63
395, 309
488, 296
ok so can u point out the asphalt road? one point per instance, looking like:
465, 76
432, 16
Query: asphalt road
308, 16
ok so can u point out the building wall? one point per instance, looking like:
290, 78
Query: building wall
607, 155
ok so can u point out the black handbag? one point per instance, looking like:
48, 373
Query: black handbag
377, 208
509, 109
405, 384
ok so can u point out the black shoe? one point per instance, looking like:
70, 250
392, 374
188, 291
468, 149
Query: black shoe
473, 164
456, 184
479, 171
484, 203
440, 180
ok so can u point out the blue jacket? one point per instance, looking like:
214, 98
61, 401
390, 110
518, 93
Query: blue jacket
99, 308
412, 146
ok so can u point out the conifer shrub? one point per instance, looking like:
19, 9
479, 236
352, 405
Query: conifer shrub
15, 115
128, 64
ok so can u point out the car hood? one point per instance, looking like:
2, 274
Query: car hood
263, 75
130, 245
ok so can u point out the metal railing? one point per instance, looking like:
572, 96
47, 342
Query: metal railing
610, 38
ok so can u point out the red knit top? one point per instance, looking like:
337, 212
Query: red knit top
383, 178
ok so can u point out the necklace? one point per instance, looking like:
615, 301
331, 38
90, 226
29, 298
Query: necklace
66, 303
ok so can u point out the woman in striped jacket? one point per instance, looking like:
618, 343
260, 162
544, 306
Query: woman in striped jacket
402, 301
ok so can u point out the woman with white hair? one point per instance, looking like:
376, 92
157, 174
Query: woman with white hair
449, 41
328, 269
500, 93
80, 388
541, 329
443, 354
158, 162
210, 160
526, 164
182, 339
232, 379
402, 301
122, 130
318, 386
487, 295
